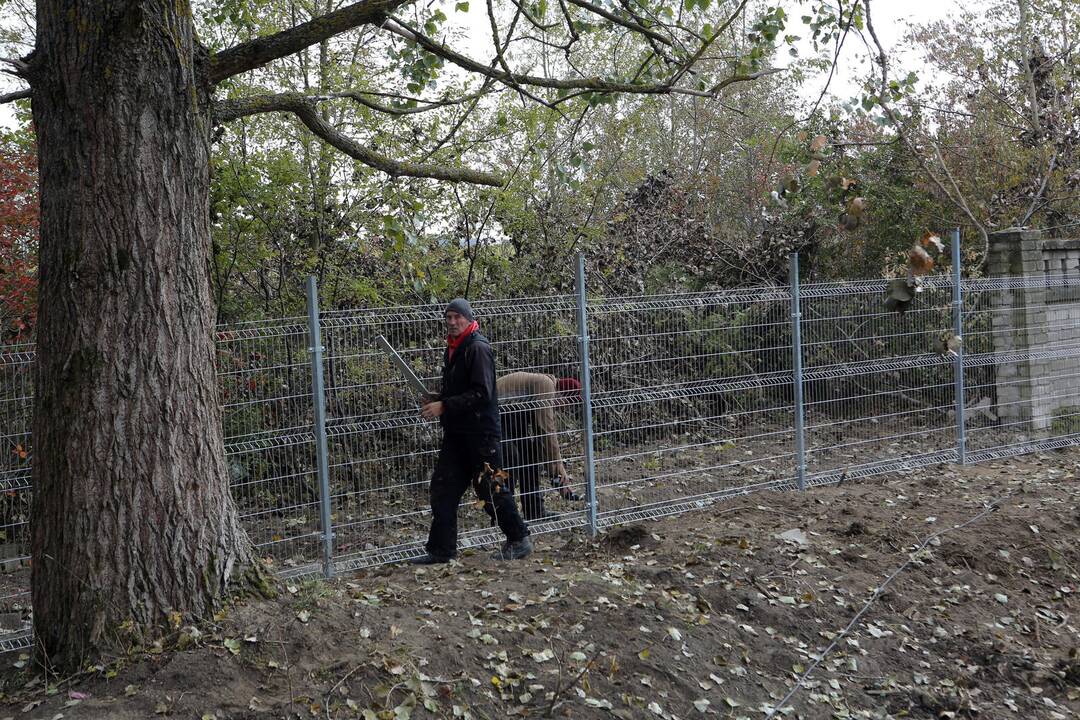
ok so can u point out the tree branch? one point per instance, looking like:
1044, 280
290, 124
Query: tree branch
705, 46
1042, 189
360, 96
19, 68
256, 53
303, 106
17, 95
595, 84
629, 24
958, 199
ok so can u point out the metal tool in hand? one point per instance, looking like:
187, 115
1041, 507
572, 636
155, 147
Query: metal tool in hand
410, 377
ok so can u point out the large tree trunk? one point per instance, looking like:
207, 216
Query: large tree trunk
132, 517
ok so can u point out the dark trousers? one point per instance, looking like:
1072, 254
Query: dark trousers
461, 461
524, 455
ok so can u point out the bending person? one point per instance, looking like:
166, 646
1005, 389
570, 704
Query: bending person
530, 437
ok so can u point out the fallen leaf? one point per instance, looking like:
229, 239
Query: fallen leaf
543, 656
794, 535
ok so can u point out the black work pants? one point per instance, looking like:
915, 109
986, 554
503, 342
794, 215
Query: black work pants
461, 461
524, 457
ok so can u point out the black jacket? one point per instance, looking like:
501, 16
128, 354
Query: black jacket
470, 400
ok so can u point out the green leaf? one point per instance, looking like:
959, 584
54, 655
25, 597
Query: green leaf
462, 6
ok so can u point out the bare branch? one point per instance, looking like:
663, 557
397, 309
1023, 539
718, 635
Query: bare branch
569, 25
19, 68
454, 129
17, 95
303, 106
629, 24
705, 46
595, 84
529, 17
361, 97
500, 54
500, 48
256, 53
956, 196
1042, 189
738, 78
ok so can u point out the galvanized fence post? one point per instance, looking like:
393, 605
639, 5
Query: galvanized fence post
958, 331
586, 396
797, 374
319, 403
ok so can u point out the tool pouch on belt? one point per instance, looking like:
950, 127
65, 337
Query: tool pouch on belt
490, 482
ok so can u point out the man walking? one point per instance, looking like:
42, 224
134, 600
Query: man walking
468, 410
530, 436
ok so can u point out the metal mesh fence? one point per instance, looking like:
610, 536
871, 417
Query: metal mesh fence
693, 400
16, 406
381, 453
264, 381
1022, 367
879, 396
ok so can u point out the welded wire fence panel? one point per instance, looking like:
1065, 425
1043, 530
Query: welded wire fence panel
16, 408
691, 398
264, 377
536, 344
382, 453
692, 402
879, 385
1022, 364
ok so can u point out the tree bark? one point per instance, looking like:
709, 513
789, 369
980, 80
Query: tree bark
132, 516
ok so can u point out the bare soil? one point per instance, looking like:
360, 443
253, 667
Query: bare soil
720, 612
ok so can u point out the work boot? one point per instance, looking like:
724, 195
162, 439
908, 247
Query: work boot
429, 559
514, 550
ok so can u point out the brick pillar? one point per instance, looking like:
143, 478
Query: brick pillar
1019, 325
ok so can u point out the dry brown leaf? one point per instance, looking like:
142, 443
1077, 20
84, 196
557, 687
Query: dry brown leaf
920, 261
934, 239
855, 206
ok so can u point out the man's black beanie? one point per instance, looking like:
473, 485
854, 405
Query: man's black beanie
462, 307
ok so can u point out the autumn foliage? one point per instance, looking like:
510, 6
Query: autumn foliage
18, 242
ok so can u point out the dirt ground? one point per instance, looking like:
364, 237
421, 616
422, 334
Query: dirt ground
720, 612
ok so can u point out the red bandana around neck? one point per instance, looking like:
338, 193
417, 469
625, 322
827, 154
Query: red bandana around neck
452, 343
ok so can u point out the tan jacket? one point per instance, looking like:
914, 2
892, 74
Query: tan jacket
536, 386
